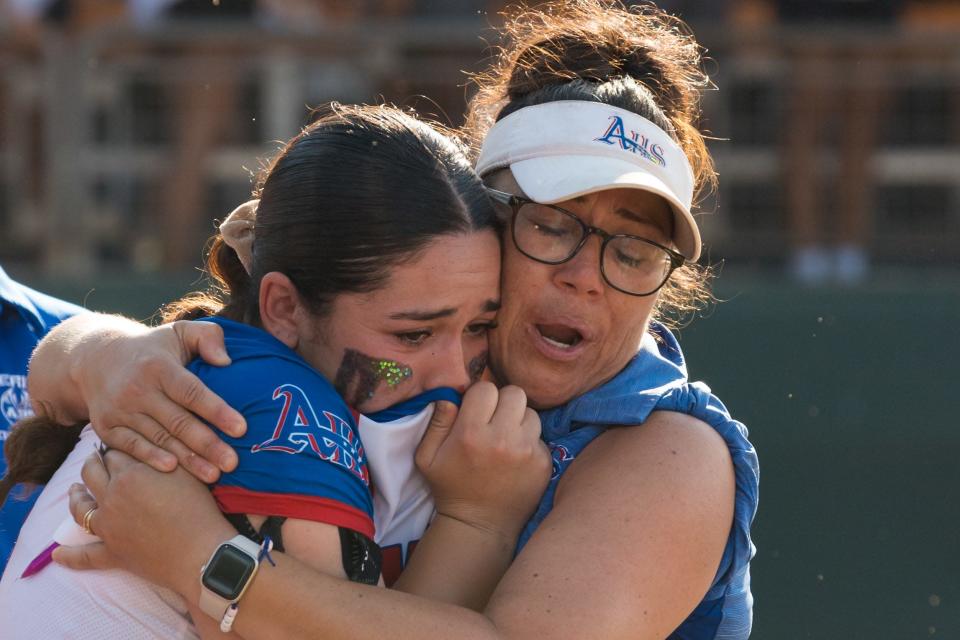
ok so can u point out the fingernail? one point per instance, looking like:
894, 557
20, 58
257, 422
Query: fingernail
208, 473
447, 407
227, 461
238, 428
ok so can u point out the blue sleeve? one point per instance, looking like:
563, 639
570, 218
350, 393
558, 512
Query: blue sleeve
301, 456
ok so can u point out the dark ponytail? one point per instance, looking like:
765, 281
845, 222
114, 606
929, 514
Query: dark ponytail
229, 292
35, 449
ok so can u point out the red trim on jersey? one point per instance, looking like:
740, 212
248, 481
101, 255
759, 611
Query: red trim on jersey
239, 500
391, 564
393, 559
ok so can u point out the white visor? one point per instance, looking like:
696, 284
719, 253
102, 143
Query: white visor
562, 150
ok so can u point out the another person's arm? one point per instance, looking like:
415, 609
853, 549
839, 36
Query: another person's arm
130, 382
314, 544
632, 545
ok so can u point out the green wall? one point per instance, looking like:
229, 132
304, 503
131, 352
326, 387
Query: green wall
852, 398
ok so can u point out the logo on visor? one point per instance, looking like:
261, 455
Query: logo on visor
634, 142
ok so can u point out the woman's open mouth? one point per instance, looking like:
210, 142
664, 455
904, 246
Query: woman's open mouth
559, 341
560, 336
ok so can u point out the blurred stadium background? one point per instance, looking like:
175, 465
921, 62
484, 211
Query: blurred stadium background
128, 127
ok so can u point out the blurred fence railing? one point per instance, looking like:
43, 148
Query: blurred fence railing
913, 168
89, 127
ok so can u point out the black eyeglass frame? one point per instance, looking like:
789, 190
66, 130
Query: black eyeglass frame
677, 259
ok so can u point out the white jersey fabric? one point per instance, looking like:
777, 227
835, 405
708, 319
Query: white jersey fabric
116, 605
60, 603
402, 503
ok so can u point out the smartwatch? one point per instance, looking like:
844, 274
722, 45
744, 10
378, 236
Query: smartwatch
227, 574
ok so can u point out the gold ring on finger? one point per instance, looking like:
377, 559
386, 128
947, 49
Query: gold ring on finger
87, 517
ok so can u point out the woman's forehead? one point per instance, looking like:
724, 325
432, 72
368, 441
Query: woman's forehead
459, 270
634, 205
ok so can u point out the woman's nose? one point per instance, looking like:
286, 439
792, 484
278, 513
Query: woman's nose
582, 272
451, 367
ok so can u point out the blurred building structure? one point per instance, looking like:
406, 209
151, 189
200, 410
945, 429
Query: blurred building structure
125, 132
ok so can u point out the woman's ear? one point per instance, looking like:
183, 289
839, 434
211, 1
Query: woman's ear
279, 303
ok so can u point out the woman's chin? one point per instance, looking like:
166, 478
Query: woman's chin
546, 394
545, 388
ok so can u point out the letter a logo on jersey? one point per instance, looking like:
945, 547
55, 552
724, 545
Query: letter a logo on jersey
331, 439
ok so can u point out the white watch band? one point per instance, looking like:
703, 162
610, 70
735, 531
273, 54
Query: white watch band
231, 614
215, 605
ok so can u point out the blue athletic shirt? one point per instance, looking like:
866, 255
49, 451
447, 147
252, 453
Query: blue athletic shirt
301, 456
25, 317
656, 380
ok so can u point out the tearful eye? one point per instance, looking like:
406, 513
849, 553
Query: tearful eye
413, 337
481, 328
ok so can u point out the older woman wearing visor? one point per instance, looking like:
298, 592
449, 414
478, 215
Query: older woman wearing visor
591, 151
550, 167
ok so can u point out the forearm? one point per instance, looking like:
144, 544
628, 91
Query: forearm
291, 601
315, 544
52, 381
458, 563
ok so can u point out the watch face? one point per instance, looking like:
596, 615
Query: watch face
228, 571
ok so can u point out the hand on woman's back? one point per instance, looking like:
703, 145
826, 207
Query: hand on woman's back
129, 381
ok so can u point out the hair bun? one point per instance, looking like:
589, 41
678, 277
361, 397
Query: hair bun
599, 41
596, 41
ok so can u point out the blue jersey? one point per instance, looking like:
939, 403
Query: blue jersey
656, 380
301, 456
25, 317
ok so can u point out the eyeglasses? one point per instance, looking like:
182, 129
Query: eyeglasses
552, 235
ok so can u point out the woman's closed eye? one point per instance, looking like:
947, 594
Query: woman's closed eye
547, 230
633, 261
